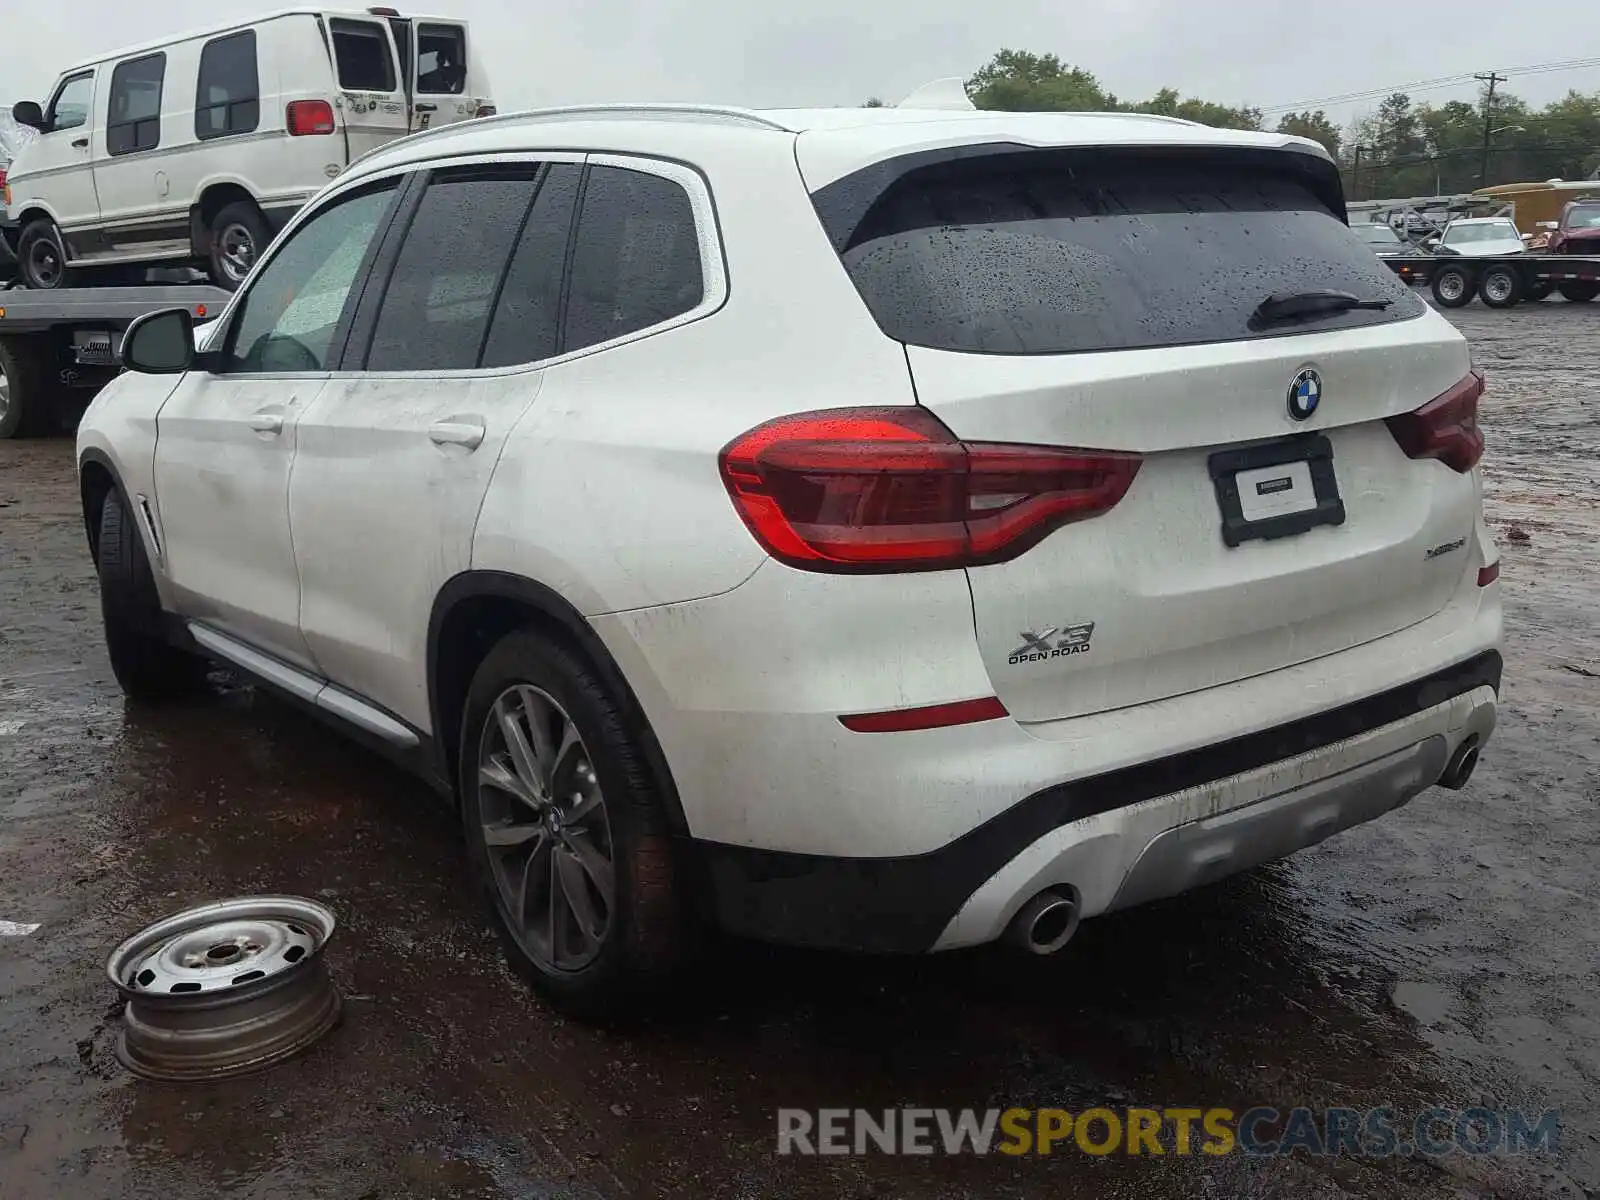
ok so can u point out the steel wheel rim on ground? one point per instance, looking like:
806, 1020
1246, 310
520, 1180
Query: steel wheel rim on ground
1452, 285
545, 830
225, 988
238, 251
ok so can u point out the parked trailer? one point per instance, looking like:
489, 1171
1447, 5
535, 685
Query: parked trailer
57, 348
1501, 281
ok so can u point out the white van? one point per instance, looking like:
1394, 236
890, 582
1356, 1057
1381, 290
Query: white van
199, 148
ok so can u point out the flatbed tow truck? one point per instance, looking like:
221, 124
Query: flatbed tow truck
57, 348
1502, 280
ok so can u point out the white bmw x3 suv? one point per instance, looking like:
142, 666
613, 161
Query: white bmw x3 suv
888, 530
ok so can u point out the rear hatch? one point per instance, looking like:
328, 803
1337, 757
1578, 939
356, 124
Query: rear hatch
372, 100
1111, 300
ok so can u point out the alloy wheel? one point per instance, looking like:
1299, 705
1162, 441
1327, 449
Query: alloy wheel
545, 830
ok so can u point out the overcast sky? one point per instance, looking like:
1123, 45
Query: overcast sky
1261, 52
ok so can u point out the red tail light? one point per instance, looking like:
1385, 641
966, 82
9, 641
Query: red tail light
891, 489
307, 118
1445, 428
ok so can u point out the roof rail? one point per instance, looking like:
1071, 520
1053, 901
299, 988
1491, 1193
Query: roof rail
736, 116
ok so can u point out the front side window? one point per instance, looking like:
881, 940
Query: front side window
441, 60
228, 91
435, 310
70, 107
364, 57
287, 320
133, 109
636, 259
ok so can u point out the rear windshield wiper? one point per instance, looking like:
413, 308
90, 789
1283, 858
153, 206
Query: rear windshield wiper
1285, 306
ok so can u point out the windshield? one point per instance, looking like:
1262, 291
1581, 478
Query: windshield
1585, 216
1493, 231
1377, 235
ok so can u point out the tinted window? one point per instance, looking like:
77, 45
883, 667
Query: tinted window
228, 94
435, 310
133, 109
441, 59
366, 64
636, 262
526, 315
287, 319
1052, 252
70, 108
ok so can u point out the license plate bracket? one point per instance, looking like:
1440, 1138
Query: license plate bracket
1277, 489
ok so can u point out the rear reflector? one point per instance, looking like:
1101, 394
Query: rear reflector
1445, 428
891, 489
936, 716
1487, 575
307, 118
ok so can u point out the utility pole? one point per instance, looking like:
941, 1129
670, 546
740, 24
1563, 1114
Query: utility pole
1355, 176
1488, 123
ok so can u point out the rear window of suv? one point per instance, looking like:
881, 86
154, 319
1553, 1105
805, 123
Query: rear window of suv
1058, 252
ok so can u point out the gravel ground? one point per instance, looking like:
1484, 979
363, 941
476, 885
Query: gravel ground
1445, 955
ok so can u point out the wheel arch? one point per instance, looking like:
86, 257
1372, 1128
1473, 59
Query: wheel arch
216, 195
472, 612
97, 479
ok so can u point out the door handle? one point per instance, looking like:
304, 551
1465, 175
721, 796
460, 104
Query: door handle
463, 431
427, 108
80, 143
267, 422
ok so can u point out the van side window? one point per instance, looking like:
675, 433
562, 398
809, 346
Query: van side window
636, 259
441, 60
435, 310
133, 109
70, 108
227, 97
366, 62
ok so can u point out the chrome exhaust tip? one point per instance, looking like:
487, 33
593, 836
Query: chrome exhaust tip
1046, 923
1461, 765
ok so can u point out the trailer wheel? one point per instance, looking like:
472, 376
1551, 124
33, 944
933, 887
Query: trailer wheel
1539, 290
1580, 291
1500, 287
24, 389
1452, 287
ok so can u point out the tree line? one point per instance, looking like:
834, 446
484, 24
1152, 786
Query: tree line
1403, 149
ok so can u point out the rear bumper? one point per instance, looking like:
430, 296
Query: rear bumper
1123, 837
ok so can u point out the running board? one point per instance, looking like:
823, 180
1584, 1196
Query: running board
305, 687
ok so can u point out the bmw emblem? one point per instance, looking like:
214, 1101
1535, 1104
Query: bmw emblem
1305, 393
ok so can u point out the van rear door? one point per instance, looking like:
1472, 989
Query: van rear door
446, 84
371, 89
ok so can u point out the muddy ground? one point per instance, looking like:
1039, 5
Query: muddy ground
1444, 955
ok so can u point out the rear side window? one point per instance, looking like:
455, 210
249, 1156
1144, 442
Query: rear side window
526, 320
1057, 252
441, 60
435, 310
365, 61
228, 92
636, 261
133, 108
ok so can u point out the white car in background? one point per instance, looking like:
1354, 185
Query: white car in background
1478, 237
879, 529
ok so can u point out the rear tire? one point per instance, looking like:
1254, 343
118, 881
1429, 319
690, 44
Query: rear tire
627, 932
1579, 291
24, 389
41, 256
1540, 290
1452, 287
239, 235
148, 668
1500, 287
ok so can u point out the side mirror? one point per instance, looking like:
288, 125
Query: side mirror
1527, 237
28, 112
160, 343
